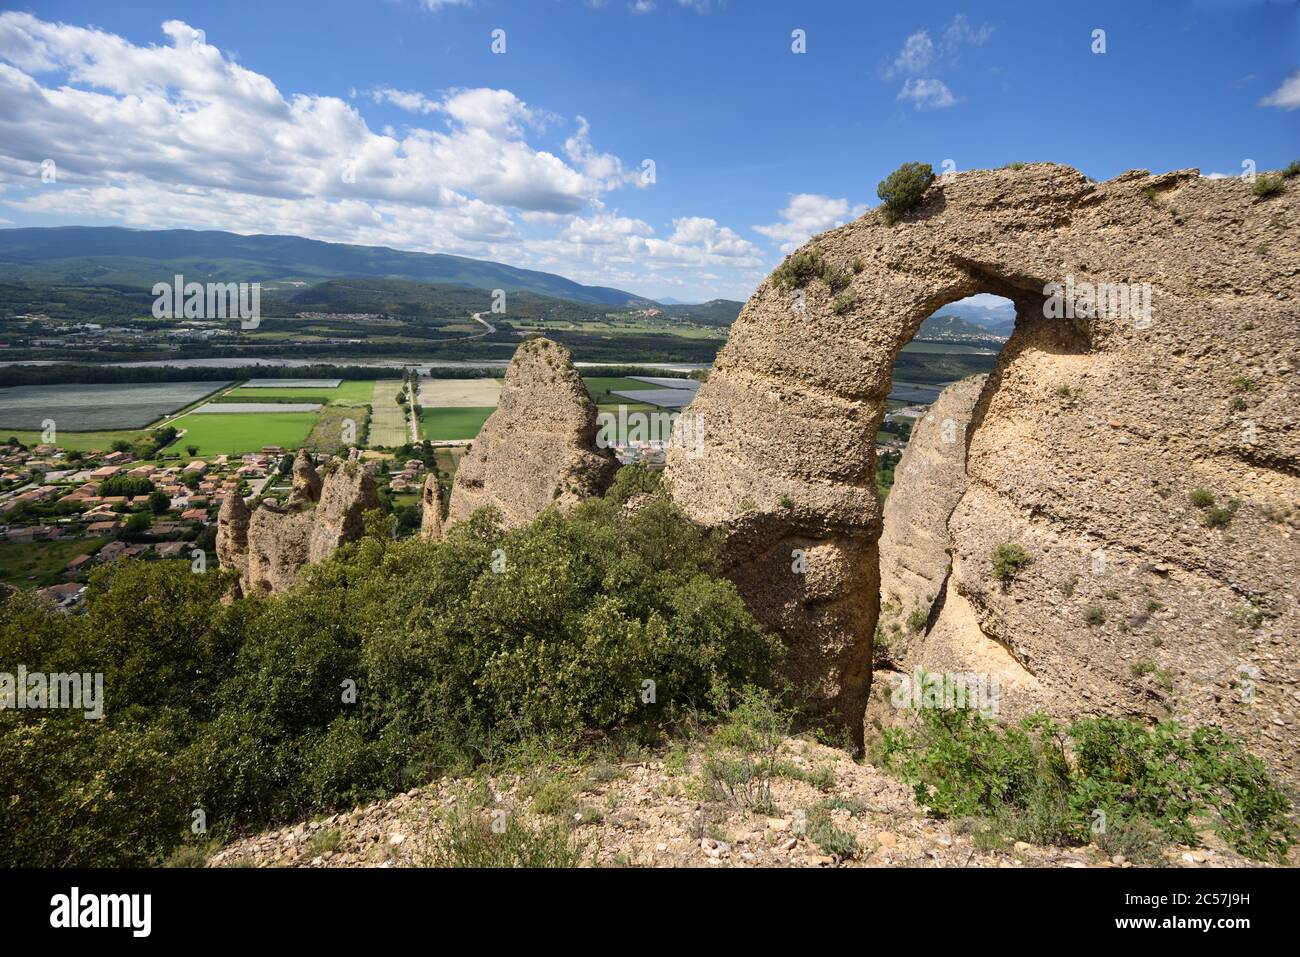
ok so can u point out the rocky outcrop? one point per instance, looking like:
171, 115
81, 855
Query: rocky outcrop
232, 530
929, 481
1096, 446
270, 547
538, 449
306, 482
431, 509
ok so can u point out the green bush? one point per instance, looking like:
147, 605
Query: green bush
1269, 185
464, 837
902, 189
1008, 559
742, 756
245, 709
802, 267
1042, 784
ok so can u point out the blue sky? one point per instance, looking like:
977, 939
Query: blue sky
393, 121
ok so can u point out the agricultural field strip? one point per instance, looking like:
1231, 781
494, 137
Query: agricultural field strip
237, 432
460, 423
459, 393
388, 419
244, 408
100, 406
665, 398
292, 383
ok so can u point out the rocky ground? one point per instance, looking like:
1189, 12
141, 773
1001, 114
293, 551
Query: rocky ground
654, 813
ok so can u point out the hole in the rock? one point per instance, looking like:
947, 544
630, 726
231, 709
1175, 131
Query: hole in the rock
937, 380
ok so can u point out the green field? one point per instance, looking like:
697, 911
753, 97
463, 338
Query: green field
451, 424
351, 392
36, 564
234, 433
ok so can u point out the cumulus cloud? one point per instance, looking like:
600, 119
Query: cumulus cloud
806, 215
177, 134
1286, 96
920, 58
927, 93
407, 100
915, 56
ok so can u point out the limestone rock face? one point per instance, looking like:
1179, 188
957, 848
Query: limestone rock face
306, 481
431, 509
277, 541
538, 448
1084, 448
346, 495
929, 481
232, 530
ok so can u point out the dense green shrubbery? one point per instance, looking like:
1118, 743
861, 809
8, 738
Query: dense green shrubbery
238, 709
1095, 780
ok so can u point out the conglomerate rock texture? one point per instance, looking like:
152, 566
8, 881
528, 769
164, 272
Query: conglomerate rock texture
1094, 447
929, 481
431, 509
306, 480
270, 547
538, 448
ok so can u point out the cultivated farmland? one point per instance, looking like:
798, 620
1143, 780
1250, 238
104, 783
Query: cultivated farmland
98, 407
388, 419
453, 424
234, 433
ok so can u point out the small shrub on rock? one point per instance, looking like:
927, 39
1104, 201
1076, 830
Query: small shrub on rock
1008, 560
903, 189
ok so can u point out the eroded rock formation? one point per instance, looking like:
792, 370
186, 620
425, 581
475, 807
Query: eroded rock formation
270, 547
431, 509
538, 448
232, 530
929, 481
1095, 446
306, 481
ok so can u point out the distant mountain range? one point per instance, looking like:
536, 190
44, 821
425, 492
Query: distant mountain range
998, 319
136, 259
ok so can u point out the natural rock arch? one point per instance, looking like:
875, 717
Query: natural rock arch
1088, 435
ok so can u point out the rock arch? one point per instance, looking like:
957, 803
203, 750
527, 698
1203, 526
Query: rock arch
1087, 437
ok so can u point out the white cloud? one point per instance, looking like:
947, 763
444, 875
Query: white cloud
436, 5
917, 52
920, 55
179, 135
927, 93
806, 215
410, 101
960, 33
1286, 96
